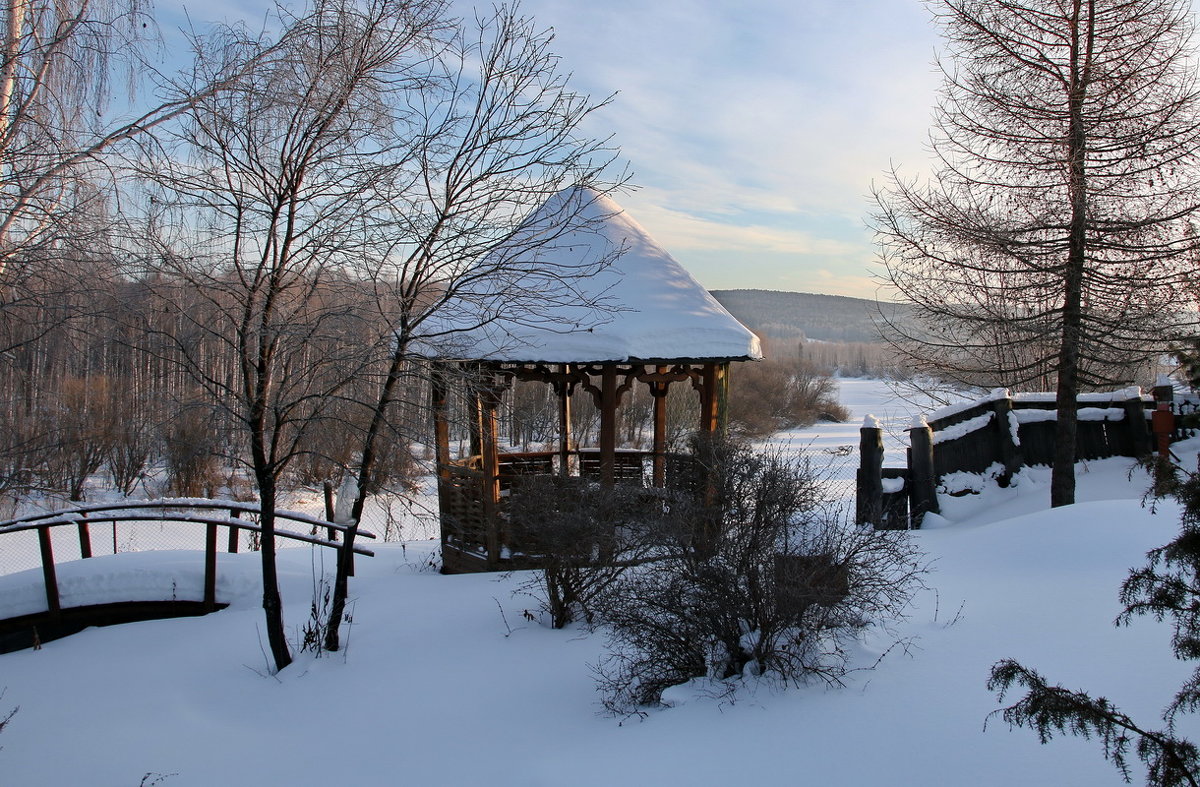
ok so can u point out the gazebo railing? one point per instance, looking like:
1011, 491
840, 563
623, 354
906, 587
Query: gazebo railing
464, 490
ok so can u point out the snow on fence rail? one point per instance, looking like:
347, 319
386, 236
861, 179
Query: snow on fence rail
996, 435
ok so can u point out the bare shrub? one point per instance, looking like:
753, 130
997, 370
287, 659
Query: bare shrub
80, 427
777, 586
326, 449
22, 444
581, 536
777, 394
190, 453
132, 440
128, 454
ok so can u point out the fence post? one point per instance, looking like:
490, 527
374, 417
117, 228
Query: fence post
869, 500
1135, 415
921, 475
49, 575
1010, 448
85, 537
330, 511
210, 567
233, 531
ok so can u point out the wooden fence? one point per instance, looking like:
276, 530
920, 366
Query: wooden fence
997, 436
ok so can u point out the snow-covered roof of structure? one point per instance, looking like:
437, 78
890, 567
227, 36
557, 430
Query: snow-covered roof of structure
650, 307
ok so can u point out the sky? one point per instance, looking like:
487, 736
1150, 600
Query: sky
753, 130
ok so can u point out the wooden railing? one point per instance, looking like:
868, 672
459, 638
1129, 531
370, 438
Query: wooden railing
212, 514
1000, 434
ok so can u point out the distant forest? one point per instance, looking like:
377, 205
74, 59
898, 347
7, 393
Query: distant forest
788, 315
834, 332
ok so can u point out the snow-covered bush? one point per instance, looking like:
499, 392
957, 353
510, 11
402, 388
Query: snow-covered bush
765, 579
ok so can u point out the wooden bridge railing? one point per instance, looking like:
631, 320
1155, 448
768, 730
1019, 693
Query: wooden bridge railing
184, 510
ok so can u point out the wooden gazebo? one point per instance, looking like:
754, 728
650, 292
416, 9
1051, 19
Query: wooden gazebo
663, 327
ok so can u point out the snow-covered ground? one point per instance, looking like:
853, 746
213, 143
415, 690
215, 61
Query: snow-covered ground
445, 681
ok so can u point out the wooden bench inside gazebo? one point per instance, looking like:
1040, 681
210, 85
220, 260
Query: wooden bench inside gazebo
664, 329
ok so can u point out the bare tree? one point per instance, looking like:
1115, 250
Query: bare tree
503, 176
58, 61
1053, 238
267, 200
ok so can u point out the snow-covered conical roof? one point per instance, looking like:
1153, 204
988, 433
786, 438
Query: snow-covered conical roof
652, 309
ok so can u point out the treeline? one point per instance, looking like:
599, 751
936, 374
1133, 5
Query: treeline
98, 387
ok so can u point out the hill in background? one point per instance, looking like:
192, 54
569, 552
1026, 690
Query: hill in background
832, 332
796, 315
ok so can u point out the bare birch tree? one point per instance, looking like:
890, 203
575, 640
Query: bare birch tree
266, 203
502, 136
60, 64
1054, 236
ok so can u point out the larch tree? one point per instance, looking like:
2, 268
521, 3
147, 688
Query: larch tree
1054, 237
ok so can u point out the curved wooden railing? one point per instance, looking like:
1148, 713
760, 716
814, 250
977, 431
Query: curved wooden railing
183, 510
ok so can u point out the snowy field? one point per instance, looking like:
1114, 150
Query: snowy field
445, 681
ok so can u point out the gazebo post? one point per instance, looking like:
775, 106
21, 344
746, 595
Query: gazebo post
489, 400
564, 422
441, 422
441, 434
475, 419
710, 402
713, 390
659, 391
608, 424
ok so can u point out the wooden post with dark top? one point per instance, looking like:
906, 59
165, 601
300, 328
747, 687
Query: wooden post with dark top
658, 391
710, 402
85, 537
1139, 430
210, 567
608, 424
922, 478
1010, 451
441, 446
49, 575
564, 423
868, 507
441, 431
489, 403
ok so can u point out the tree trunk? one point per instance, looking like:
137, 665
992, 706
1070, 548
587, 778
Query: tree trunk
272, 602
366, 471
1062, 477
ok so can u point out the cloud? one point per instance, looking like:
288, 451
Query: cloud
755, 128
681, 231
763, 124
